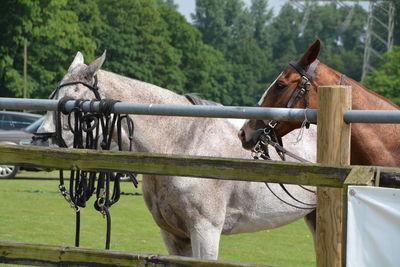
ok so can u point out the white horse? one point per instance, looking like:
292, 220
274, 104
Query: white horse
192, 212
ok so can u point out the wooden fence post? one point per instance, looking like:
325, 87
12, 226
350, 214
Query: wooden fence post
333, 147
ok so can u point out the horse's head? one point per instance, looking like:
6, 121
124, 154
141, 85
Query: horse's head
80, 82
295, 87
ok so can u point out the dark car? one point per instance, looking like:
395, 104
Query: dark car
18, 137
10, 120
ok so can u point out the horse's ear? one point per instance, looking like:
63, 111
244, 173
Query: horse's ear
78, 60
95, 65
311, 54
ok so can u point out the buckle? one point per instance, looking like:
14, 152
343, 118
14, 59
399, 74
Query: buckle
272, 124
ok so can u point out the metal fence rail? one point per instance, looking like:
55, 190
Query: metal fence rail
284, 114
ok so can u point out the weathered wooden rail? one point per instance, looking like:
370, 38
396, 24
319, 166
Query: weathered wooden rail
177, 165
47, 255
194, 166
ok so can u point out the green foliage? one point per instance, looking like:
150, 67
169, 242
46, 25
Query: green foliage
396, 34
258, 46
229, 54
241, 35
204, 68
53, 36
220, 22
340, 46
386, 80
89, 19
137, 43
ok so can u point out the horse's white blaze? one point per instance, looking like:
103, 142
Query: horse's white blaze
266, 91
193, 213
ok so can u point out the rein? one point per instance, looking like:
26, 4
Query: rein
82, 183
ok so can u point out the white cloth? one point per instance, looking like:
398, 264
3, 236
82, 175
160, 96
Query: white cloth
373, 226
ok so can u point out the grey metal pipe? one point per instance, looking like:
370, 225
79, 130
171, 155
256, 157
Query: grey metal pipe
283, 114
372, 116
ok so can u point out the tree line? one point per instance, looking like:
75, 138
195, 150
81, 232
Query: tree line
229, 53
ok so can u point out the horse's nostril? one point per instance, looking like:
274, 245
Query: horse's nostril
242, 135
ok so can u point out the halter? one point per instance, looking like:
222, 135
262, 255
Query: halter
82, 183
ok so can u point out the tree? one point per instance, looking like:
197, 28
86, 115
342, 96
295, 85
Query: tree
53, 36
222, 22
90, 20
340, 46
241, 35
396, 34
137, 43
285, 32
205, 69
261, 17
386, 79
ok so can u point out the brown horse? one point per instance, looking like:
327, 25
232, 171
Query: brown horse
296, 87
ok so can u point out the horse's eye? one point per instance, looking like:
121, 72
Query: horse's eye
280, 85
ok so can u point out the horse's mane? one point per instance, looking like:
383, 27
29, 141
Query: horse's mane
355, 83
374, 93
196, 100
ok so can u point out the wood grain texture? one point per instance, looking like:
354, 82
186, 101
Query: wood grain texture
48, 255
207, 167
333, 147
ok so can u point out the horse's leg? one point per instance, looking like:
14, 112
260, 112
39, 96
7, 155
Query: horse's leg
205, 241
177, 245
311, 221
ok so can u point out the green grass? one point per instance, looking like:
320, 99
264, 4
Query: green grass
33, 212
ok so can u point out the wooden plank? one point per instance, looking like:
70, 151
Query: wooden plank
333, 147
48, 255
218, 168
360, 175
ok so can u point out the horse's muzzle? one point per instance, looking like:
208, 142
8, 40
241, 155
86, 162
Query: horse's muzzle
43, 139
246, 144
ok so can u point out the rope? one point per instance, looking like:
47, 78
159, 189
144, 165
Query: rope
303, 126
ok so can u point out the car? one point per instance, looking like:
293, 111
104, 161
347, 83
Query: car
12, 120
19, 137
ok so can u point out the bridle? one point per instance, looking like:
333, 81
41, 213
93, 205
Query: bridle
94, 88
61, 105
61, 109
82, 183
267, 135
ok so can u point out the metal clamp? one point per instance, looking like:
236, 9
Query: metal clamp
66, 196
272, 124
101, 201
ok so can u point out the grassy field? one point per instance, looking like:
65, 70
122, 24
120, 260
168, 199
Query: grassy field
33, 212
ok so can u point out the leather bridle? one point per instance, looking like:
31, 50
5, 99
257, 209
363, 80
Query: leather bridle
94, 88
267, 135
90, 122
61, 105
